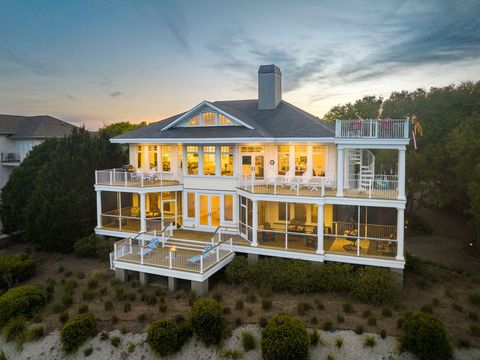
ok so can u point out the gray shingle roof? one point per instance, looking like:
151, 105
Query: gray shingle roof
286, 121
33, 127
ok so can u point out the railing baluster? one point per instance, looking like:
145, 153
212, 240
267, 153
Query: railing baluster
170, 259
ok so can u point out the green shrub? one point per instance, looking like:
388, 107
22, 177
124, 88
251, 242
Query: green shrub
207, 320
88, 294
92, 246
15, 268
414, 264
35, 332
328, 326
425, 336
115, 341
383, 333
88, 351
285, 338
376, 285
348, 307
127, 307
83, 308
108, 305
76, 331
474, 330
358, 330
15, 329
63, 317
266, 304
339, 342
166, 337
366, 313
340, 318
23, 300
372, 321
239, 305
474, 298
263, 322
369, 341
386, 312
248, 341
238, 270
314, 338
303, 307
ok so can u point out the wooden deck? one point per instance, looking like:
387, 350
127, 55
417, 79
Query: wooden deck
150, 183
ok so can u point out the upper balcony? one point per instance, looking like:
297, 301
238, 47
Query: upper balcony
372, 129
130, 178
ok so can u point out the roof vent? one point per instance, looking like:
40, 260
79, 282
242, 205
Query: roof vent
269, 87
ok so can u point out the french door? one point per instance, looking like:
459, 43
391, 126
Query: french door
209, 211
253, 164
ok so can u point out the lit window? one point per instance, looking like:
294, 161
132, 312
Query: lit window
300, 160
223, 120
194, 121
152, 157
228, 202
226, 160
192, 160
283, 159
139, 157
208, 118
318, 160
166, 156
191, 205
209, 166
250, 149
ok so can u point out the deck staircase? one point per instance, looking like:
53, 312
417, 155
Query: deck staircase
366, 165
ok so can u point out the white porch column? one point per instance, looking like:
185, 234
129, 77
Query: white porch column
320, 249
254, 222
143, 213
400, 234
99, 208
340, 171
401, 174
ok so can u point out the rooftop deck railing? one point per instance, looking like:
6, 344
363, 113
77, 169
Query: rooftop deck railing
373, 129
121, 177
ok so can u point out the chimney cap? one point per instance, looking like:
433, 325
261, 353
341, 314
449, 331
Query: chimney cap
269, 69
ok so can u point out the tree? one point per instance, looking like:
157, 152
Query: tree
62, 207
120, 128
368, 107
51, 194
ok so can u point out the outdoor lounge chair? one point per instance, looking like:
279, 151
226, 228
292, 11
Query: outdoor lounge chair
152, 245
196, 258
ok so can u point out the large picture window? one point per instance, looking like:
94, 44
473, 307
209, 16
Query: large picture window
209, 164
283, 159
226, 160
318, 162
300, 160
192, 160
166, 158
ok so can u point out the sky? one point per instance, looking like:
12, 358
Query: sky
98, 62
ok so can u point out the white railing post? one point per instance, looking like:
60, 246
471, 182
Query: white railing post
110, 174
115, 251
231, 244
125, 175
130, 245
141, 256
254, 222
370, 186
320, 249
401, 174
400, 234
406, 128
170, 259
323, 187
340, 172
337, 128
286, 240
253, 182
201, 263
218, 253
96, 177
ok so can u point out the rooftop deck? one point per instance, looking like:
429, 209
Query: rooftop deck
121, 177
372, 129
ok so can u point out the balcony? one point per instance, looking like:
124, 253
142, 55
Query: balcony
372, 129
378, 187
10, 157
122, 177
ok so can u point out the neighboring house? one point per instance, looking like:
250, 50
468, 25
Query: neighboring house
261, 177
19, 134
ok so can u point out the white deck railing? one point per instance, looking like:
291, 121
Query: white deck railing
373, 129
120, 177
380, 187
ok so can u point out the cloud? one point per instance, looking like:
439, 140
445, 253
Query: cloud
116, 94
38, 65
165, 14
380, 42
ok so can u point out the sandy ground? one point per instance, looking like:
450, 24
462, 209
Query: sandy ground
352, 349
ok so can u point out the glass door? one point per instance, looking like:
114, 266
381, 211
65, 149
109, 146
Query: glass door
209, 210
253, 164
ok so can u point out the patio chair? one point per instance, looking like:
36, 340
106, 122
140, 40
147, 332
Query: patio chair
306, 179
290, 181
196, 258
152, 245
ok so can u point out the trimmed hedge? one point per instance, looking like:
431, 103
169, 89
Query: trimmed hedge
425, 336
207, 320
369, 284
285, 338
166, 337
15, 268
76, 331
21, 301
376, 285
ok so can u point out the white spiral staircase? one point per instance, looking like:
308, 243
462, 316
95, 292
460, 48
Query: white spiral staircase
365, 173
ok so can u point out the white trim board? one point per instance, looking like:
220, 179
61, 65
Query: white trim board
224, 140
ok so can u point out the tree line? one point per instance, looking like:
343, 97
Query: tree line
444, 171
